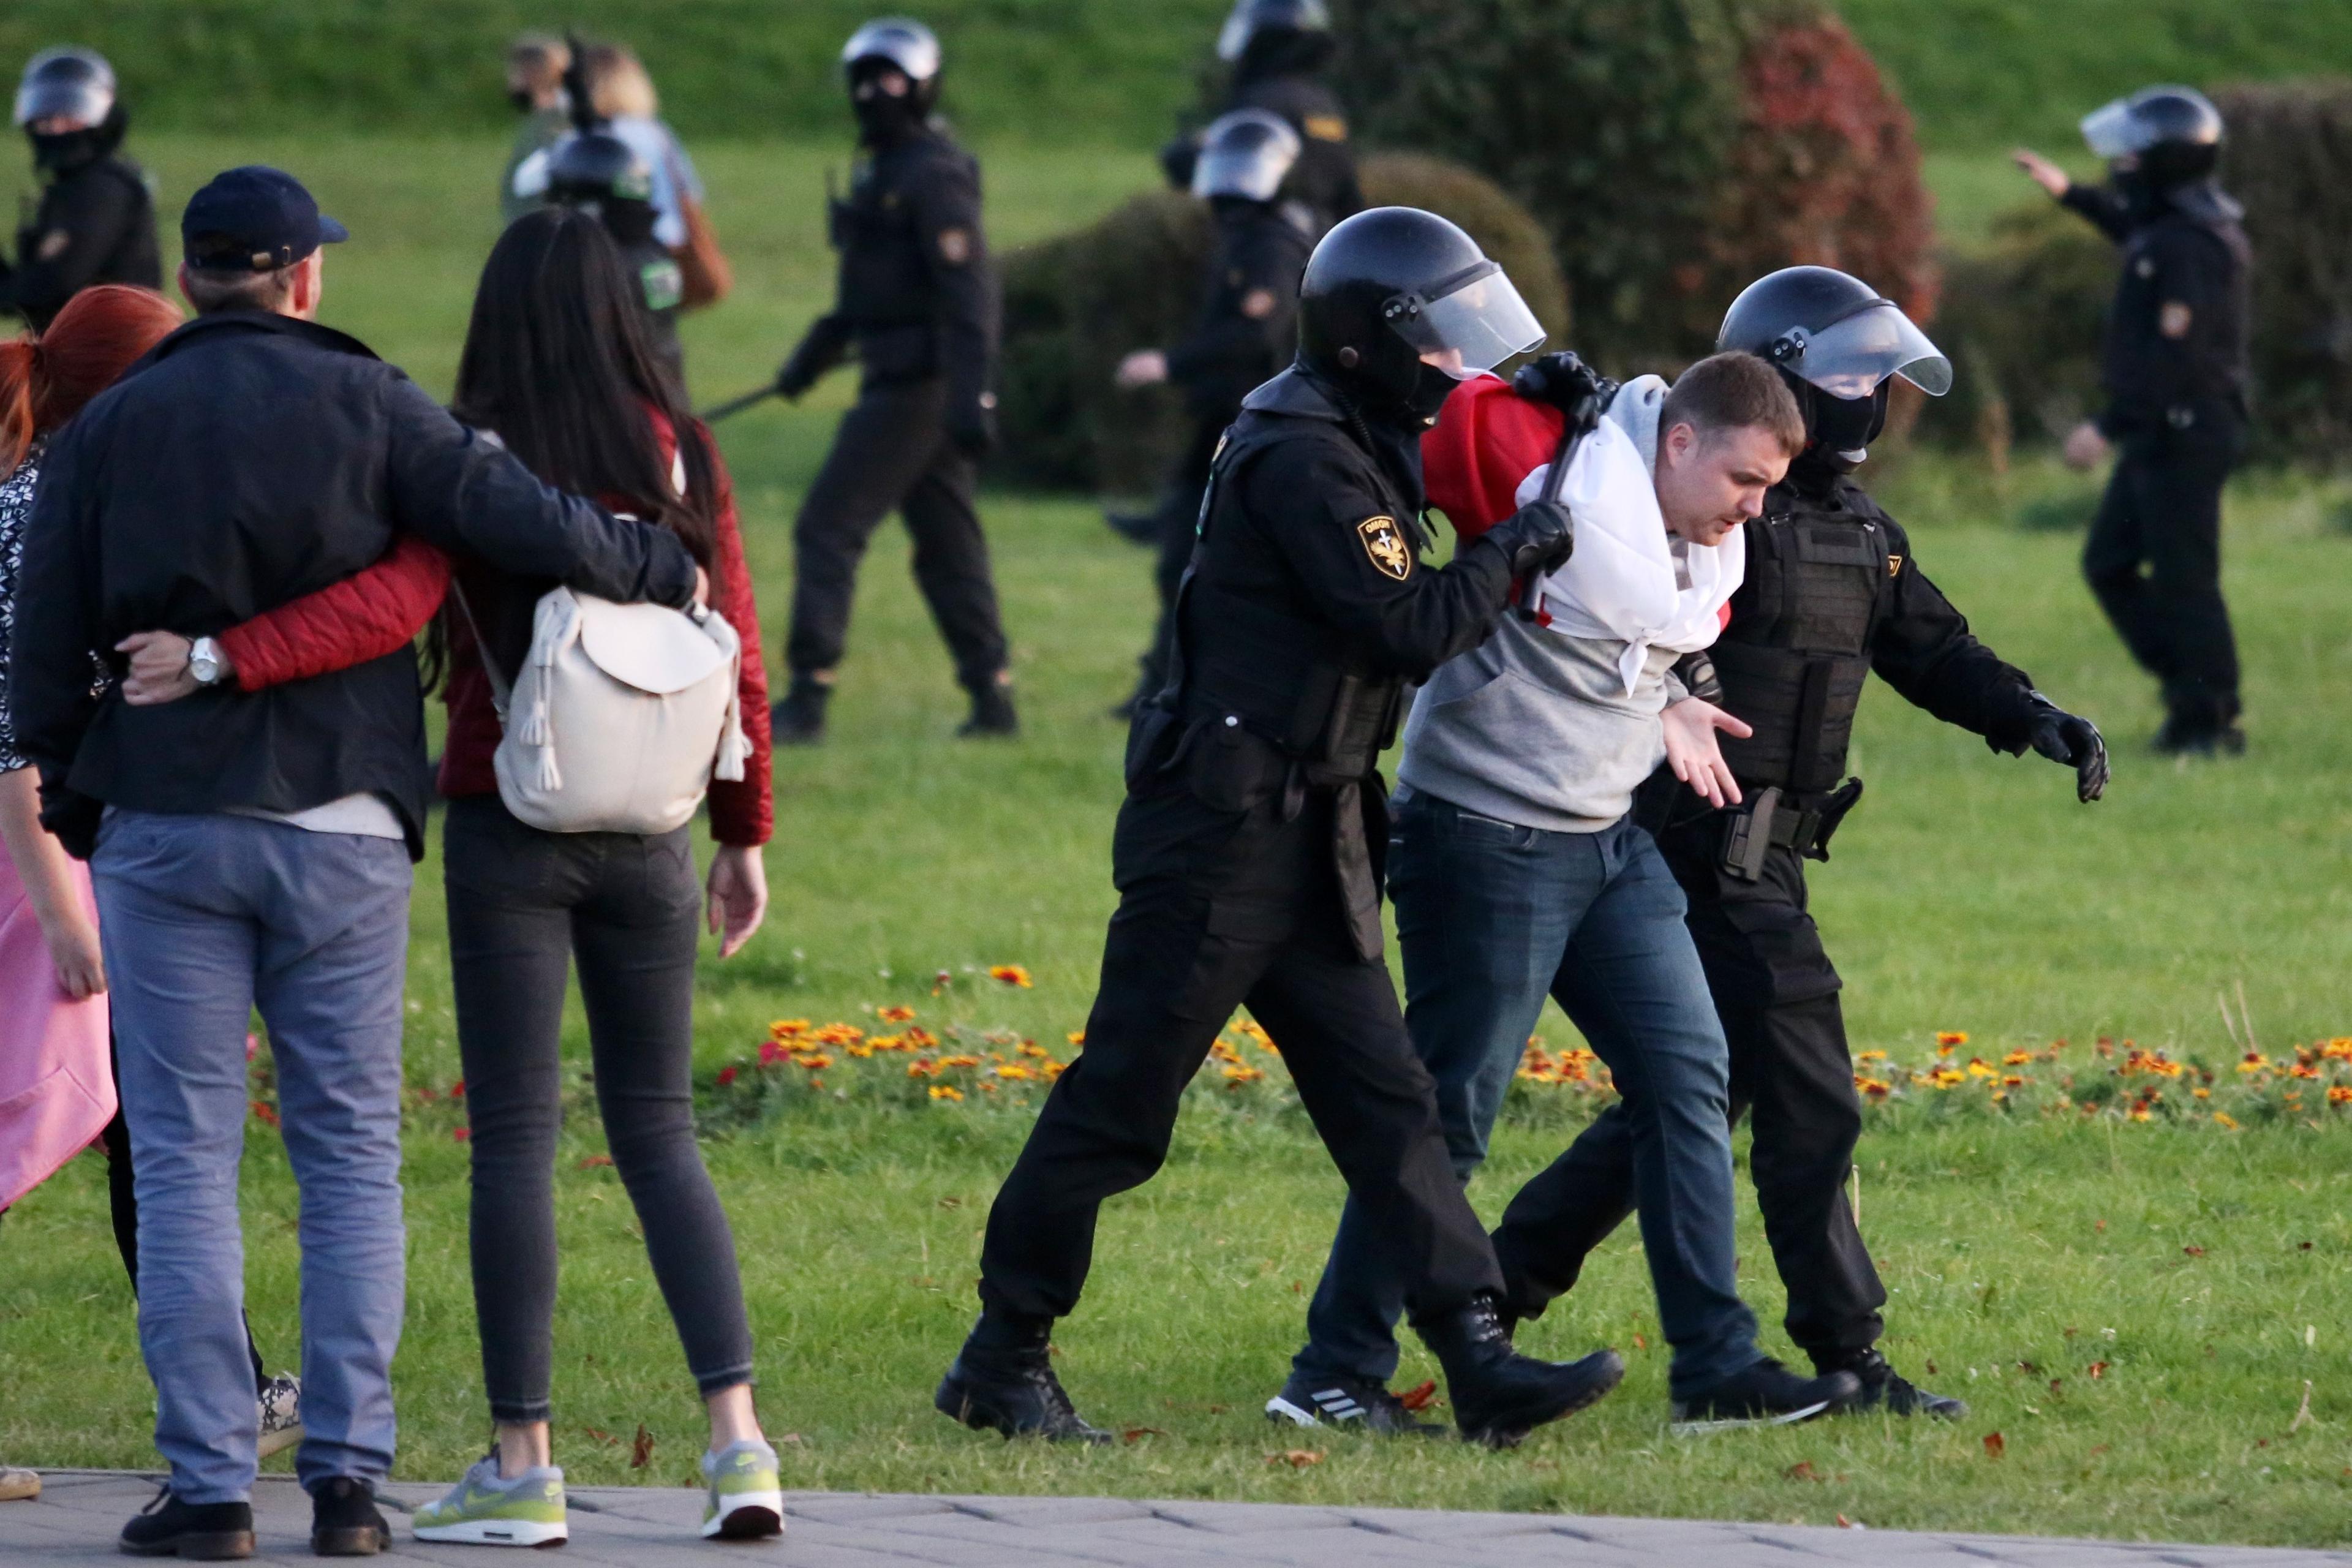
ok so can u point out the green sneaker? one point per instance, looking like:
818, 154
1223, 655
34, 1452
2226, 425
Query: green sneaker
747, 1498
483, 1511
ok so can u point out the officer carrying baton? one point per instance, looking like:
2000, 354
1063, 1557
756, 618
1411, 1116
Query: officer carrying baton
735, 406
1583, 418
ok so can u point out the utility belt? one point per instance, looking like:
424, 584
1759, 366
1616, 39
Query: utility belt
1230, 763
1768, 820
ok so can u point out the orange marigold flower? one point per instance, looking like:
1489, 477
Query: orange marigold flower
923, 1067
815, 1061
1052, 1069
2016, 1058
1948, 1041
896, 1013
1244, 1074
2299, 1070
2011, 1080
1031, 1048
919, 1039
2339, 1094
789, 1028
1010, 973
2340, 1048
1075, 1037
959, 1061
838, 1034
2140, 1113
946, 1091
1876, 1088
1871, 1056
2202, 1093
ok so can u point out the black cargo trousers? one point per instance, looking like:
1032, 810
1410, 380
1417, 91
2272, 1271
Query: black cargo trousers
1777, 994
1218, 908
892, 451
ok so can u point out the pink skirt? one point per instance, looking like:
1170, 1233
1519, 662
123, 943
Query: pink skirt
56, 1092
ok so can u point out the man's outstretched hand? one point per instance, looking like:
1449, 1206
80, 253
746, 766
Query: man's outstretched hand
1696, 755
2063, 738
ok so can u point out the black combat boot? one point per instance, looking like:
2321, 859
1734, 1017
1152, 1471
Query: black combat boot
1346, 1402
1764, 1395
1002, 1380
1499, 1395
799, 718
1884, 1388
202, 1532
992, 710
344, 1520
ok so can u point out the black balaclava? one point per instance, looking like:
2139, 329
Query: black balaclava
883, 120
1283, 51
64, 153
1838, 430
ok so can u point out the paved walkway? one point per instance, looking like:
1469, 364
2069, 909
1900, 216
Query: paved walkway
79, 1511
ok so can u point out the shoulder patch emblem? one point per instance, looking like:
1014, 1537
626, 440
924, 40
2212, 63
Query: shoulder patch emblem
1894, 565
1325, 127
54, 244
1386, 547
955, 245
664, 284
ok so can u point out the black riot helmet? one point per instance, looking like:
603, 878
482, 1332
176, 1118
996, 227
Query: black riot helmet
1839, 345
892, 44
1386, 287
2172, 134
77, 85
1254, 22
1244, 155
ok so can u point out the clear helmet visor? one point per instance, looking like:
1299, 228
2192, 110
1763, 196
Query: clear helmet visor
1849, 358
1247, 153
84, 100
1470, 328
2115, 131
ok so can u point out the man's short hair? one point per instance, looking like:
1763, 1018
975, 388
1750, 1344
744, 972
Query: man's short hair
1732, 391
209, 290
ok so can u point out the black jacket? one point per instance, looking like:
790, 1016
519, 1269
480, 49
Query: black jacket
2189, 252
96, 224
247, 460
1248, 325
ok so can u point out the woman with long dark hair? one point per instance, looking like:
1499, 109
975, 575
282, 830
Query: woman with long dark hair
558, 365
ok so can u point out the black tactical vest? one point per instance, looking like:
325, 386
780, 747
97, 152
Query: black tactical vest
1794, 655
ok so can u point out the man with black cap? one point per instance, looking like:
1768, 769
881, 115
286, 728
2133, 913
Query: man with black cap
2176, 375
255, 849
1277, 49
1832, 594
1247, 854
95, 221
1247, 331
918, 303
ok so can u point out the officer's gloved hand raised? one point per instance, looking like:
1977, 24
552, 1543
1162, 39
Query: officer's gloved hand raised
2065, 738
1564, 382
1536, 539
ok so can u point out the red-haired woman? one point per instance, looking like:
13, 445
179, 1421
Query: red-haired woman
57, 1089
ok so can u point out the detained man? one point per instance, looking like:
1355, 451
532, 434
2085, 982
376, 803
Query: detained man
1517, 873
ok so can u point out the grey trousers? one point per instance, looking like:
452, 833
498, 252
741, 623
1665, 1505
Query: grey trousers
204, 918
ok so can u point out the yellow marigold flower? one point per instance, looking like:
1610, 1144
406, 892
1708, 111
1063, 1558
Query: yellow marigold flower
1949, 1040
1010, 973
1052, 1069
2340, 1048
959, 1061
2140, 1113
919, 1038
2252, 1062
788, 1028
1244, 1074
895, 1015
1075, 1037
2202, 1093
1946, 1077
1871, 1056
838, 1034
1013, 1070
2016, 1058
1977, 1068
815, 1061
1031, 1048
2223, 1119
946, 1091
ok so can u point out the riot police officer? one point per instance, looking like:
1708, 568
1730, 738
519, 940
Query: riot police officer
1277, 49
604, 176
1832, 592
96, 219
1247, 331
918, 304
2175, 373
1246, 852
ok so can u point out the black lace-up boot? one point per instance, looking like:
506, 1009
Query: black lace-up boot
1002, 1380
1499, 1395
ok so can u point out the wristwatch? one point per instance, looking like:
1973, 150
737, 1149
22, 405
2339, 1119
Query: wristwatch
204, 661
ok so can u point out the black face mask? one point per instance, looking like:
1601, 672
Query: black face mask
882, 119
1431, 388
2141, 199
63, 154
1842, 429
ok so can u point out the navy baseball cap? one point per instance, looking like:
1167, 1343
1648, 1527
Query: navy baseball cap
254, 219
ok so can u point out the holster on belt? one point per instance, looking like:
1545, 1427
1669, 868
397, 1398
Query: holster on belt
1768, 820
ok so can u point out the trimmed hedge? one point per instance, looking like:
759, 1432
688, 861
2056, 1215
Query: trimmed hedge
1075, 305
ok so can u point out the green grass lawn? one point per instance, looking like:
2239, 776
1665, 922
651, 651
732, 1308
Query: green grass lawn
1968, 893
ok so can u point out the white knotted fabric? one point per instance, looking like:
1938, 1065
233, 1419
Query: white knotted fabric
1624, 583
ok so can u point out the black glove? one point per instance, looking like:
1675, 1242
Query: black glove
819, 352
1564, 382
2063, 738
973, 428
1535, 539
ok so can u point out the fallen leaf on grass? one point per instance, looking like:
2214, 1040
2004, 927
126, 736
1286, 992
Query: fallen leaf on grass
595, 1162
1424, 1397
641, 1452
1846, 1523
1802, 1470
1640, 1343
2302, 1415
1993, 1446
2097, 1369
1296, 1458
2194, 1251
599, 1435
1138, 1434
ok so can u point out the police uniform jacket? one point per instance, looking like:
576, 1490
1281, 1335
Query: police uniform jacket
1832, 594
2161, 368
1303, 615
1248, 324
917, 294
95, 224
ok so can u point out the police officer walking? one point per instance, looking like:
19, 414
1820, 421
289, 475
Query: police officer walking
1277, 49
918, 304
1247, 328
2176, 375
96, 219
1832, 592
1246, 854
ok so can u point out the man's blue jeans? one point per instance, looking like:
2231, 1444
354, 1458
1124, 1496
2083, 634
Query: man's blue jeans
1491, 916
203, 918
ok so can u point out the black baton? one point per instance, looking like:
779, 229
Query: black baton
735, 406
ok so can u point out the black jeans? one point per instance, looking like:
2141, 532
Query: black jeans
1218, 908
1777, 994
520, 903
2154, 560
892, 451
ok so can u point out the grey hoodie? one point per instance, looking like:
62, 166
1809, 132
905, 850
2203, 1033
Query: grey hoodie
1535, 728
